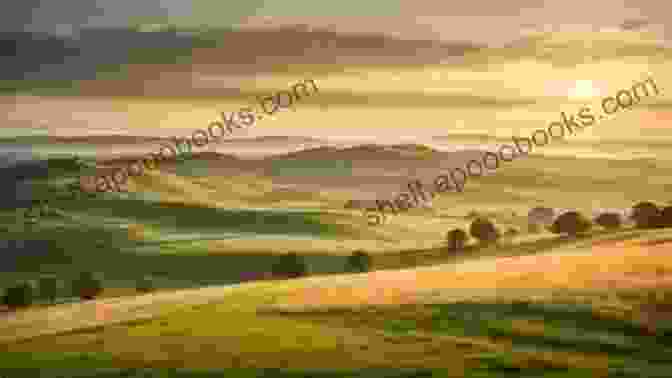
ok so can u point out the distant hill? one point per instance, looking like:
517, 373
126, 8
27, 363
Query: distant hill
88, 139
366, 152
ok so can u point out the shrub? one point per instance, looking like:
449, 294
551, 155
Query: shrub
87, 286
359, 262
290, 265
20, 295
609, 221
484, 230
456, 239
645, 215
145, 285
571, 223
48, 288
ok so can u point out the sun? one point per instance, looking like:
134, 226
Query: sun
583, 89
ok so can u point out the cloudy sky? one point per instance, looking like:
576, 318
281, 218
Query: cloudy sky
483, 21
478, 21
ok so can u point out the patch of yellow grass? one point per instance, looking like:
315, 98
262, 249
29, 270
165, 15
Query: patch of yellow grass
597, 268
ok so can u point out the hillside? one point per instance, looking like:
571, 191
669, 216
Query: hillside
480, 316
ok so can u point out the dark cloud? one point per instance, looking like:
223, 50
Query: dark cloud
19, 15
479, 21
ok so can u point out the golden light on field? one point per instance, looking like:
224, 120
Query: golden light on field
583, 89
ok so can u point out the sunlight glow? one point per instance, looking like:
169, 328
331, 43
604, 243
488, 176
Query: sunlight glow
583, 89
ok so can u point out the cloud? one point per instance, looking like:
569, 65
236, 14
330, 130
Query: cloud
412, 19
14, 18
634, 24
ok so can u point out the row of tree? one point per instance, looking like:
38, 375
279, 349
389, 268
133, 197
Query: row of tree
86, 286
644, 215
292, 265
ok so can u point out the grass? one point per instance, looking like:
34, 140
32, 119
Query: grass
498, 339
90, 237
90, 233
39, 87
398, 328
100, 365
483, 338
549, 329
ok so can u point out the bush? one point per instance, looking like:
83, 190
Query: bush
645, 215
456, 239
571, 223
145, 285
87, 286
290, 265
484, 230
48, 288
358, 262
610, 221
20, 295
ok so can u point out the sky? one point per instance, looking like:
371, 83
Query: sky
481, 21
477, 21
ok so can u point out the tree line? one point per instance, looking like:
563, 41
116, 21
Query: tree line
88, 285
644, 215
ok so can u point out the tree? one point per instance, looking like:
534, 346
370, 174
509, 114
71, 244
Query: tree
87, 286
645, 214
145, 285
484, 230
610, 221
571, 223
290, 265
456, 239
48, 288
665, 218
17, 296
359, 262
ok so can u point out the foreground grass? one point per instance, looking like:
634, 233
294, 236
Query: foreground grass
485, 339
597, 336
470, 339
551, 335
